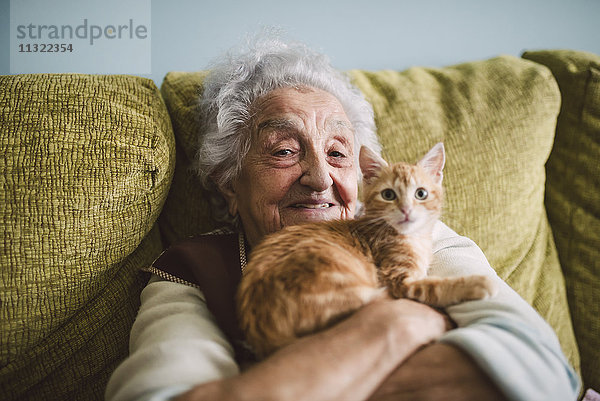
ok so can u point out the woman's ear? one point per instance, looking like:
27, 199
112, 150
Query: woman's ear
230, 196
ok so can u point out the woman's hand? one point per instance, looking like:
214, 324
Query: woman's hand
413, 324
346, 362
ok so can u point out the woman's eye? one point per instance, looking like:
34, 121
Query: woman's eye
388, 194
335, 153
421, 194
283, 152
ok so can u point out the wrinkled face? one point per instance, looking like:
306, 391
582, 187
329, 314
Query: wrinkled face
300, 166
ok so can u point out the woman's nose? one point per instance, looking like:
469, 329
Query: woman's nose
316, 173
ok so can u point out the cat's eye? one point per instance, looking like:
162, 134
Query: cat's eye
421, 194
388, 194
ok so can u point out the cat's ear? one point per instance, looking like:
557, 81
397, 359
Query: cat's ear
433, 162
370, 163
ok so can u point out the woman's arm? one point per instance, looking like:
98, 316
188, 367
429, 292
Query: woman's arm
438, 372
174, 343
504, 338
347, 362
176, 347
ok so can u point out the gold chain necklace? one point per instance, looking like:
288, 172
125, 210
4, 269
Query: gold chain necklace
242, 246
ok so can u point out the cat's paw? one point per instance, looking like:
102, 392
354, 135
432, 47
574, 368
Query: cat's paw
481, 287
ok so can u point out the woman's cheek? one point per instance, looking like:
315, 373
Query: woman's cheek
347, 187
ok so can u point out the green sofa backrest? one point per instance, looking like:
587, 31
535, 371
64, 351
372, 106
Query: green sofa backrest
86, 166
573, 195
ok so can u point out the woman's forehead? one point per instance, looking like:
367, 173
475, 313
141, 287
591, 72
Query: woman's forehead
285, 103
289, 110
291, 123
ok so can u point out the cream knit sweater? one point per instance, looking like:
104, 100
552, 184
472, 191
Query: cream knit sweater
175, 343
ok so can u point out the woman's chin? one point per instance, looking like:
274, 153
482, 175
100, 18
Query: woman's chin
298, 215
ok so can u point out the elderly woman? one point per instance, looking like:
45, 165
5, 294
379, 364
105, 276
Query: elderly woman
279, 147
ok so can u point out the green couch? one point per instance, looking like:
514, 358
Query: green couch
96, 182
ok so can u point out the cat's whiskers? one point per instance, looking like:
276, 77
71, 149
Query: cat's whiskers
373, 226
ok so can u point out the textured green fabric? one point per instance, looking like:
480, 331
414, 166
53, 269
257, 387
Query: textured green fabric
497, 120
187, 210
85, 168
573, 195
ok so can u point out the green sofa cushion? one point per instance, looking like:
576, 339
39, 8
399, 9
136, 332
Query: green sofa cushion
85, 168
573, 195
497, 120
187, 210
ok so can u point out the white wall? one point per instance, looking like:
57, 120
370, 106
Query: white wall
368, 34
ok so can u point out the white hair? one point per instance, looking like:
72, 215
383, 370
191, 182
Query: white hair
242, 76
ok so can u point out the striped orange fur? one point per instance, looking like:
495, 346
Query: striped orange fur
306, 277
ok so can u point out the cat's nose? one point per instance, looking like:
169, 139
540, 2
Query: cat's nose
406, 211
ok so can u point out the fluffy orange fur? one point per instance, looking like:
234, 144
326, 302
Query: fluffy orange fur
306, 277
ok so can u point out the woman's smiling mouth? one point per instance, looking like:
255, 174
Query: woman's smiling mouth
312, 205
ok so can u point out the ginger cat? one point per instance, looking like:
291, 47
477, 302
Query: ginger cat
306, 277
